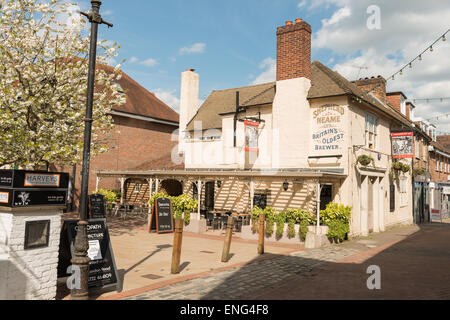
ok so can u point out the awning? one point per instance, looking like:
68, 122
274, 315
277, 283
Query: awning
285, 173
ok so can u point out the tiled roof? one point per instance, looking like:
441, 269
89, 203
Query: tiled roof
324, 83
163, 163
224, 101
142, 102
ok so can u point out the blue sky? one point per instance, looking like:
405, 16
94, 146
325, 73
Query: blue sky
235, 36
233, 43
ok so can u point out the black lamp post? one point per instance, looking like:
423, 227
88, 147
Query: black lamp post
81, 260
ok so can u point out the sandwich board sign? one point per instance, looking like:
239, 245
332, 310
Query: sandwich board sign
102, 267
161, 220
97, 206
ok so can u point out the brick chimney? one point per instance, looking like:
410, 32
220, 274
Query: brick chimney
294, 50
397, 99
377, 86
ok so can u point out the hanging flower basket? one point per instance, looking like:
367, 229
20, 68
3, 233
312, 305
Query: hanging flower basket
419, 171
405, 168
397, 166
365, 160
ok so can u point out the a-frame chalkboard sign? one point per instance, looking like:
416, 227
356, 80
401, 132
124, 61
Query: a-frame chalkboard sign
97, 208
161, 220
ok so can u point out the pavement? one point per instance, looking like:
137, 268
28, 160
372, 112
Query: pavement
143, 259
413, 260
414, 263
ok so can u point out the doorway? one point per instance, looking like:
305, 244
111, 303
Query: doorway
209, 195
326, 196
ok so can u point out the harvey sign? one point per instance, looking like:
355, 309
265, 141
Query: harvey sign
327, 130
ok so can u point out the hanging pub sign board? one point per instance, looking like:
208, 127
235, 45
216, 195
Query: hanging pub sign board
20, 188
402, 145
251, 136
328, 130
162, 216
97, 207
102, 267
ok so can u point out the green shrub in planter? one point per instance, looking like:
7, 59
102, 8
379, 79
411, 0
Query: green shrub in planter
269, 212
110, 197
255, 213
280, 220
337, 218
291, 229
303, 230
303, 215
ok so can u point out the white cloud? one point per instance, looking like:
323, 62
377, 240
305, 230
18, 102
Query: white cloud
269, 65
149, 62
198, 47
134, 60
302, 4
405, 32
169, 98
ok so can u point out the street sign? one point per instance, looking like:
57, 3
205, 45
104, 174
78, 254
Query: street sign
21, 188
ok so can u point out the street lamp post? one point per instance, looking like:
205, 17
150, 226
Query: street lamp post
81, 260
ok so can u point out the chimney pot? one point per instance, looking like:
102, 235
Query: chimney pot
294, 51
298, 20
192, 70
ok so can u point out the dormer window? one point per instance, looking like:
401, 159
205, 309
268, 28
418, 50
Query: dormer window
403, 106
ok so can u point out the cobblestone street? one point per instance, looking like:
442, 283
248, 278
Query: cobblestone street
283, 276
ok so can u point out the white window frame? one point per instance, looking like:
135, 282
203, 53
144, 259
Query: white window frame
403, 191
371, 128
424, 150
416, 148
137, 188
403, 106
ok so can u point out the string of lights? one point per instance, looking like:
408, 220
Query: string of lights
419, 57
439, 117
429, 99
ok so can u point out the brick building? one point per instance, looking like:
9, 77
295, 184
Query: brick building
440, 177
141, 140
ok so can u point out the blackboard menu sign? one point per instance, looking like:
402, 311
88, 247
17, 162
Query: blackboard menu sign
102, 267
97, 206
162, 216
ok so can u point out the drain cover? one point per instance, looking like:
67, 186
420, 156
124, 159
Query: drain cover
151, 276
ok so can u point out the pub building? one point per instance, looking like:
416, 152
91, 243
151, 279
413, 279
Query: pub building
292, 143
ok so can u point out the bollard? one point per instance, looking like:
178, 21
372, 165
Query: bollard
176, 252
262, 219
227, 243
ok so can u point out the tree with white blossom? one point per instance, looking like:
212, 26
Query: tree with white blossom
44, 47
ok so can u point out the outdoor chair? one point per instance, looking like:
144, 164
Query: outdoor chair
224, 221
209, 219
238, 224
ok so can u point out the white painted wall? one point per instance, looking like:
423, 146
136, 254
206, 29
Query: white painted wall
28, 274
189, 102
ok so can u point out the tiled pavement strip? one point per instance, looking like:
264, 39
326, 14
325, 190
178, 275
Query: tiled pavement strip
236, 283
